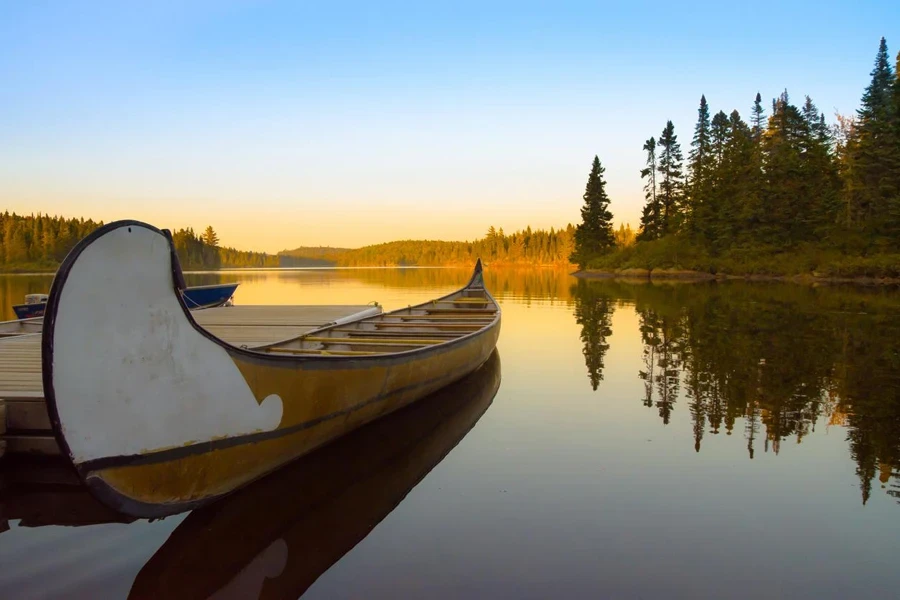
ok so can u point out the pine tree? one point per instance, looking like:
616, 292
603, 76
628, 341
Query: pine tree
594, 236
671, 185
651, 215
876, 150
758, 119
791, 189
719, 136
700, 165
210, 238
893, 208
819, 171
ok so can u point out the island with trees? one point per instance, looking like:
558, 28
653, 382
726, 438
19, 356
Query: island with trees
784, 194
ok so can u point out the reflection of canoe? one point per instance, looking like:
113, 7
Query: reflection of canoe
293, 525
201, 296
41, 491
159, 416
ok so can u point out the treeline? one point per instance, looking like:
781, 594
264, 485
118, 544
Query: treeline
42, 242
782, 183
199, 252
39, 241
794, 357
526, 247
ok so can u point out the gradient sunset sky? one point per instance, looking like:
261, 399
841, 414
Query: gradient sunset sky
289, 123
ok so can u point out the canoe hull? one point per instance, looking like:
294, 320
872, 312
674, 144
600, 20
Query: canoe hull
159, 416
183, 478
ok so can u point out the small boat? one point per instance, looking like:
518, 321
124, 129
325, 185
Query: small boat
209, 296
34, 306
198, 297
159, 416
282, 532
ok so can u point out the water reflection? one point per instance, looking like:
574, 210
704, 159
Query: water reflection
593, 311
770, 361
276, 537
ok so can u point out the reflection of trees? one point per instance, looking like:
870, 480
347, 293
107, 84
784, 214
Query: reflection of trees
869, 393
778, 357
593, 311
660, 334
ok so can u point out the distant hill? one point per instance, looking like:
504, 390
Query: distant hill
313, 256
528, 247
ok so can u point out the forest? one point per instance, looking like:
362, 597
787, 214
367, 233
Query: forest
40, 242
527, 247
783, 193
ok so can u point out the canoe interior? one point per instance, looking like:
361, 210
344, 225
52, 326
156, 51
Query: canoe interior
430, 324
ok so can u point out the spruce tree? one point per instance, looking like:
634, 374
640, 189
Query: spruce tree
893, 209
210, 238
594, 236
737, 198
671, 184
790, 195
719, 135
758, 119
700, 165
876, 151
650, 217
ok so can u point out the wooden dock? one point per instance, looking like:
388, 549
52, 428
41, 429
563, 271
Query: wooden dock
24, 423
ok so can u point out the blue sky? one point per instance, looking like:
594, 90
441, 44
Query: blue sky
289, 123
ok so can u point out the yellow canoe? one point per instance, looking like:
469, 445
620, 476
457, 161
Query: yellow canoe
159, 416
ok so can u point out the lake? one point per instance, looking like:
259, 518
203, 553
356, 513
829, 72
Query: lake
678, 440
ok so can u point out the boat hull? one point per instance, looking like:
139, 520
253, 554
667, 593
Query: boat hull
208, 296
159, 416
320, 405
196, 298
29, 311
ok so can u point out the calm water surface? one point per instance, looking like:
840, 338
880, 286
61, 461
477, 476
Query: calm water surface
681, 441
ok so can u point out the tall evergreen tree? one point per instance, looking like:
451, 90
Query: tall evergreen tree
594, 236
758, 118
731, 198
700, 165
876, 149
790, 192
671, 184
650, 217
209, 237
819, 171
719, 136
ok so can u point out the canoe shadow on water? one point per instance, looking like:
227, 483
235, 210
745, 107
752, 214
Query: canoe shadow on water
274, 538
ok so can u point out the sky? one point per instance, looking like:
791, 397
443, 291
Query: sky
345, 124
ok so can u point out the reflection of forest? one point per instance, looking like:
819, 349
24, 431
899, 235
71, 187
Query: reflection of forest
537, 285
550, 285
773, 360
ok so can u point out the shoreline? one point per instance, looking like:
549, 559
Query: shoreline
698, 276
